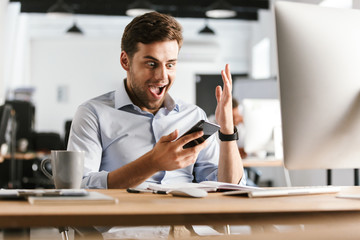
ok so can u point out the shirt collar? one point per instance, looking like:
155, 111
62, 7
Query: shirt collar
170, 103
122, 99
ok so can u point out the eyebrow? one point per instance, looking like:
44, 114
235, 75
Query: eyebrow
155, 59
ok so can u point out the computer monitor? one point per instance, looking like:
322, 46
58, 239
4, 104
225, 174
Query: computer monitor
319, 75
262, 124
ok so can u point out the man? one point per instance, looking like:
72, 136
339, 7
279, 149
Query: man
130, 136
239, 123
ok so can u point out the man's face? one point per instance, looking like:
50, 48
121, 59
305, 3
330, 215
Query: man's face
150, 73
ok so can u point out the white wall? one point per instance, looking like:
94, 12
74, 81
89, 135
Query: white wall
262, 47
3, 12
83, 67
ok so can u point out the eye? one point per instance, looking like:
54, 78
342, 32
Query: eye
171, 65
151, 64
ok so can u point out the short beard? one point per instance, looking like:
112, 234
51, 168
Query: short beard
141, 97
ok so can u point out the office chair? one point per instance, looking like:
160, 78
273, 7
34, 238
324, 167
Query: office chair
253, 176
67, 132
47, 141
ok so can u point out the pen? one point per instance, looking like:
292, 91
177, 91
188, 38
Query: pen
137, 190
140, 190
160, 192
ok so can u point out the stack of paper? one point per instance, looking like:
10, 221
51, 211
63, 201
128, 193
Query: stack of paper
24, 193
209, 186
91, 198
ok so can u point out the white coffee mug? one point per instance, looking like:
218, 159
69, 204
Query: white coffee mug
67, 168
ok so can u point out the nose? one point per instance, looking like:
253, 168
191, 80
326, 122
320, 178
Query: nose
161, 73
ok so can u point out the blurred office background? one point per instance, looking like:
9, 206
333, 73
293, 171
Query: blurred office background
54, 69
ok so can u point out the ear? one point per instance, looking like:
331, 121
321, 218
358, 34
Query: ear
125, 61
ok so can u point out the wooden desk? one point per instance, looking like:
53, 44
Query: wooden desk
156, 209
263, 162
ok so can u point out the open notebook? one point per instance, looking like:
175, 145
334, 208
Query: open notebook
278, 192
209, 186
247, 191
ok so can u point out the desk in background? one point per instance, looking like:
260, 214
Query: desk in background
275, 162
24, 171
262, 162
27, 155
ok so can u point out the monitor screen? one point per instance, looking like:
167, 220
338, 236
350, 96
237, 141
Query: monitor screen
262, 124
319, 76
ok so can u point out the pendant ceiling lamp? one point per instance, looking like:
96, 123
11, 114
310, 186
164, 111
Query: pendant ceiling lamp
139, 7
60, 8
220, 9
206, 30
74, 29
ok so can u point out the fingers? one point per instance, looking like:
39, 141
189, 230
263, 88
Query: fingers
226, 76
184, 157
168, 154
189, 137
218, 92
196, 149
191, 154
226, 79
171, 137
183, 140
228, 73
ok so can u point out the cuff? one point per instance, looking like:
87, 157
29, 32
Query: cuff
95, 180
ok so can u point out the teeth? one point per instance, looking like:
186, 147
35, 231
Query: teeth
156, 90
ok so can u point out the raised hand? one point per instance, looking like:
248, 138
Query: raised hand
223, 111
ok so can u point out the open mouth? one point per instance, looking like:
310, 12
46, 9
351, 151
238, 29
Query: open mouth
157, 90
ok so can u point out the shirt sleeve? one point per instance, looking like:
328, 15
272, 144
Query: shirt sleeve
243, 180
206, 166
85, 136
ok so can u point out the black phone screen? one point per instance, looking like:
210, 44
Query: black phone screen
208, 129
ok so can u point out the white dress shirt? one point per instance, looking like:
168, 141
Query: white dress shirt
114, 132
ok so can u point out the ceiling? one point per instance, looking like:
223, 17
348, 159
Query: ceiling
246, 9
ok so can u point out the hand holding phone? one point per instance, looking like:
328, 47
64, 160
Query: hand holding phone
169, 154
208, 129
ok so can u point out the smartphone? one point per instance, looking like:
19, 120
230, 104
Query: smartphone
208, 129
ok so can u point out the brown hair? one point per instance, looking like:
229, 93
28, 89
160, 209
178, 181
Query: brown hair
235, 103
148, 28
